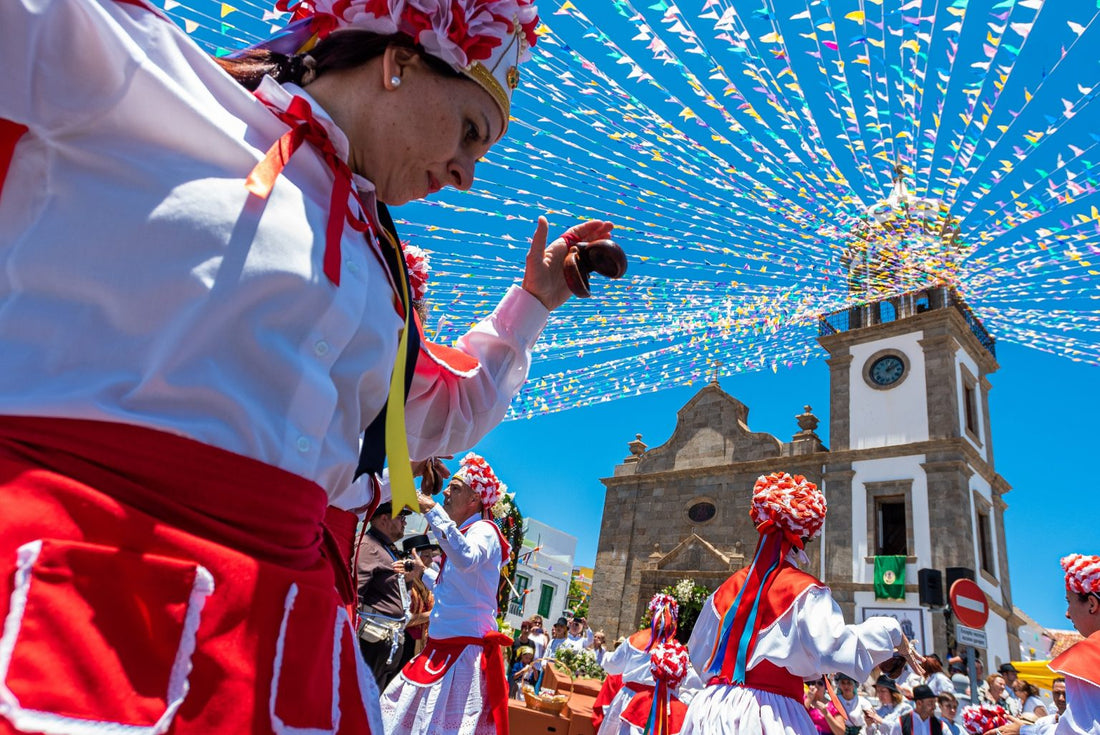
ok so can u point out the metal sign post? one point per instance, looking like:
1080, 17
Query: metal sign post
972, 672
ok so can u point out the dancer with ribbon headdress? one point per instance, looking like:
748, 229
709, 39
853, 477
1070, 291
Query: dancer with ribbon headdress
203, 308
771, 626
457, 683
653, 692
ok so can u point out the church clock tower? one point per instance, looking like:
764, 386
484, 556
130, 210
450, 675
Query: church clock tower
911, 468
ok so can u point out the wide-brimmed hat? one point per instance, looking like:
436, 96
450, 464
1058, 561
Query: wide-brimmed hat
415, 543
923, 691
886, 681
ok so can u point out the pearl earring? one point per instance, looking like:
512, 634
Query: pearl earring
395, 80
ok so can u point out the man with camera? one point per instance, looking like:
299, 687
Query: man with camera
383, 594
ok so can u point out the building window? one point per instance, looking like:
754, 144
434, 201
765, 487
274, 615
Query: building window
701, 512
970, 396
985, 544
890, 519
546, 599
516, 605
891, 536
971, 409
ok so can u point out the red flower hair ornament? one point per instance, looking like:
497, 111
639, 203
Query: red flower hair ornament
479, 476
791, 504
1082, 573
419, 266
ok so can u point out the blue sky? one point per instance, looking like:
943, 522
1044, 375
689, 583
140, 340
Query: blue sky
737, 145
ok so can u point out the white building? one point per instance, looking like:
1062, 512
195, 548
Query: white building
543, 573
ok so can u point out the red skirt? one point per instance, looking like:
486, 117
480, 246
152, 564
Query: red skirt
155, 583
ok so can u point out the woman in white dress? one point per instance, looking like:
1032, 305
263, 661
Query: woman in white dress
632, 660
771, 626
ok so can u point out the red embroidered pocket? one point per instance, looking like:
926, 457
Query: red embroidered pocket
98, 637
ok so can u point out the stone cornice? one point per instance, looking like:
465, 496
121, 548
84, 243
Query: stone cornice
824, 459
840, 342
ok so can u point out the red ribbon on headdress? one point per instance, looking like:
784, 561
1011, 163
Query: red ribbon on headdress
304, 127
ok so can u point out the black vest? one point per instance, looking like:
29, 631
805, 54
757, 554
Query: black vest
907, 724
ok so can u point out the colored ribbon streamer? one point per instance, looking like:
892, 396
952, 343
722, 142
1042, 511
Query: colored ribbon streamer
304, 127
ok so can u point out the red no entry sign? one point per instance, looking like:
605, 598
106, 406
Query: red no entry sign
969, 603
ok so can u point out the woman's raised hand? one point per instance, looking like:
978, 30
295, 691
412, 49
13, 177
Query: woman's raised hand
542, 277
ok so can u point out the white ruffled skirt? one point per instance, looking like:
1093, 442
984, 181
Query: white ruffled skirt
454, 704
730, 710
612, 714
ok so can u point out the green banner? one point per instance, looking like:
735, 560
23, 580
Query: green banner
889, 577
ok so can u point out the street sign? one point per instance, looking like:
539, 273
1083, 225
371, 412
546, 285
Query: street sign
970, 637
969, 604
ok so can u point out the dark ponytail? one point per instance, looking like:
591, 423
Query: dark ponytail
343, 50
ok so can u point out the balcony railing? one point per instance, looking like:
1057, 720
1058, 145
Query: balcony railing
902, 306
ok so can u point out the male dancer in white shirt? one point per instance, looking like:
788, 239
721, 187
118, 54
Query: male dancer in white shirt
457, 683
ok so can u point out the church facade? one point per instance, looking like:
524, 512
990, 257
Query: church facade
909, 472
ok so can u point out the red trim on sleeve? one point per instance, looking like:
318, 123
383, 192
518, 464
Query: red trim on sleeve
10, 133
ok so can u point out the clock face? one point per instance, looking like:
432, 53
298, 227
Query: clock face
887, 370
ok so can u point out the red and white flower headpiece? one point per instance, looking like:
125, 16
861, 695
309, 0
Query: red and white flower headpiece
419, 266
792, 504
983, 718
479, 476
483, 39
1082, 573
661, 602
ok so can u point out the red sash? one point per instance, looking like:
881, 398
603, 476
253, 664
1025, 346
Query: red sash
1081, 660
637, 712
440, 654
505, 547
10, 133
116, 526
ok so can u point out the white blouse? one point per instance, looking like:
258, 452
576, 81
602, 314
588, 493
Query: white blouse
466, 591
808, 640
141, 283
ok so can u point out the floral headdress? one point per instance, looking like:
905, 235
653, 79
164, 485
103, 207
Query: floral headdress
664, 610
419, 266
785, 510
791, 504
1082, 573
479, 476
483, 39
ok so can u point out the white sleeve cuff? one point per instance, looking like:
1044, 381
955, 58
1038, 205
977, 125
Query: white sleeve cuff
521, 316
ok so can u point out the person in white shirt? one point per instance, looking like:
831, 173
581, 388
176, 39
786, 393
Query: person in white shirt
922, 719
575, 636
1028, 696
891, 707
771, 626
457, 683
632, 660
558, 635
202, 306
948, 713
538, 636
854, 703
599, 646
